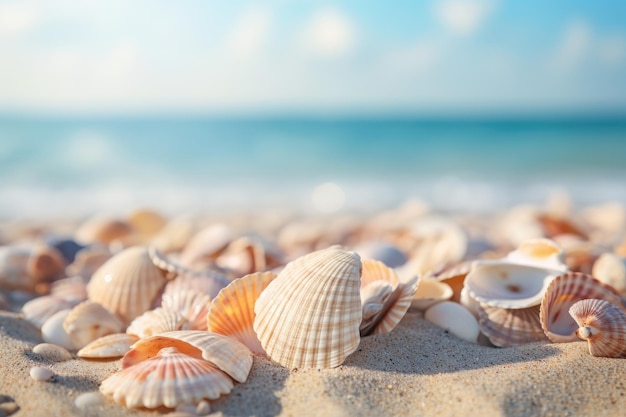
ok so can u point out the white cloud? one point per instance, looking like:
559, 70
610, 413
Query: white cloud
463, 17
17, 18
251, 32
330, 34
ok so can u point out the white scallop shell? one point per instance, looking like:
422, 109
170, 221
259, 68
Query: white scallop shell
309, 316
168, 379
156, 321
454, 318
89, 321
192, 305
73, 289
127, 284
108, 347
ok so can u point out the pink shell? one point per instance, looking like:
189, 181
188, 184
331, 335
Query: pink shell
602, 325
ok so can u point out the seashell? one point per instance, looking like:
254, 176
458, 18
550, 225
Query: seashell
454, 276
73, 289
562, 293
145, 222
540, 253
127, 284
602, 325
429, 292
611, 269
88, 400
89, 321
384, 252
455, 319
227, 353
607, 222
108, 347
52, 330
102, 230
309, 316
45, 264
52, 352
506, 285
13, 273
249, 254
156, 321
174, 235
168, 379
88, 261
40, 309
192, 305
555, 225
510, 327
373, 298
206, 245
232, 311
41, 373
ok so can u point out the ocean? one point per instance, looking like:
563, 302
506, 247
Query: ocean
54, 166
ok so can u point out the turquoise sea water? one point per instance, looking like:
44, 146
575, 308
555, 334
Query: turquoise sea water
56, 166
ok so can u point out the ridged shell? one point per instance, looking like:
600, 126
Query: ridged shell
108, 347
89, 321
40, 309
159, 320
191, 304
309, 316
562, 293
510, 327
610, 268
206, 245
502, 284
127, 284
228, 354
603, 325
73, 289
88, 261
430, 291
249, 254
232, 311
169, 379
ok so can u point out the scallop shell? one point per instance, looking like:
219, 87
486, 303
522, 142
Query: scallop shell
562, 293
127, 284
73, 289
206, 245
156, 321
89, 321
506, 285
232, 311
429, 292
248, 254
108, 347
228, 354
168, 379
611, 269
510, 327
40, 309
309, 316
602, 325
192, 305
174, 235
88, 261
454, 318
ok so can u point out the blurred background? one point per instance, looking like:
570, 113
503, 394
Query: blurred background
469, 105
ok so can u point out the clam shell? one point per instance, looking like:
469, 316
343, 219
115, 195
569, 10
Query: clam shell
309, 316
510, 327
429, 292
168, 379
102, 230
127, 284
108, 347
206, 245
40, 309
89, 321
249, 254
159, 320
611, 269
192, 305
506, 285
562, 293
228, 354
232, 311
602, 325
455, 319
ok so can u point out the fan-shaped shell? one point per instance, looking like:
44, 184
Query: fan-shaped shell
506, 285
88, 321
510, 327
206, 245
248, 254
88, 261
108, 347
228, 354
127, 284
232, 311
603, 325
168, 379
191, 304
562, 293
156, 321
309, 316
71, 289
40, 309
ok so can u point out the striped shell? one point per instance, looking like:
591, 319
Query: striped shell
309, 316
168, 379
89, 321
127, 284
192, 305
232, 311
562, 293
248, 254
510, 327
156, 321
602, 325
228, 354
108, 347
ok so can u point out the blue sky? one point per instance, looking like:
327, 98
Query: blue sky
415, 57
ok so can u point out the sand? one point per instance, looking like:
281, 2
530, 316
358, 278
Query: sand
417, 370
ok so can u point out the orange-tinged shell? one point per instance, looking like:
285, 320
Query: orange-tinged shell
146, 222
562, 293
127, 284
89, 321
169, 379
510, 327
232, 311
45, 264
228, 354
156, 321
430, 291
602, 325
108, 347
102, 230
309, 316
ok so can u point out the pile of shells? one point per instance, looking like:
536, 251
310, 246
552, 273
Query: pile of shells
189, 306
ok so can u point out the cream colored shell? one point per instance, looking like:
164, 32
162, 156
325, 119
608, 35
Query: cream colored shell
107, 347
89, 321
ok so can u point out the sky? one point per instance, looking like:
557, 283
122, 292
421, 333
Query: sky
401, 57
